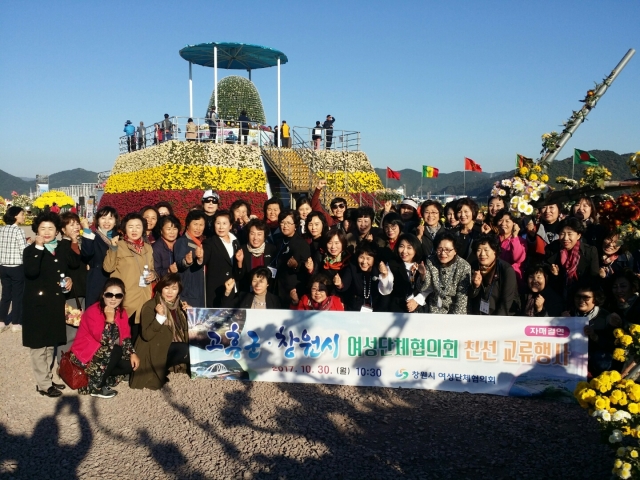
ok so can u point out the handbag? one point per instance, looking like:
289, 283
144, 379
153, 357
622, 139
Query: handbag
72, 374
72, 315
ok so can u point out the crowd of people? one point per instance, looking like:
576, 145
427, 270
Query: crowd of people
135, 274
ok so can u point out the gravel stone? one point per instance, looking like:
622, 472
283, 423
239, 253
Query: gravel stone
204, 429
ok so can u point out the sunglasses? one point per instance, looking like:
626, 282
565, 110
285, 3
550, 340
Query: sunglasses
210, 200
117, 296
338, 205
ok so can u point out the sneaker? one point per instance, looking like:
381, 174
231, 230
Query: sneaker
51, 392
16, 328
59, 386
104, 392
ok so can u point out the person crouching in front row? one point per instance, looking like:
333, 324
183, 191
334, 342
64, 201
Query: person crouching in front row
164, 335
102, 346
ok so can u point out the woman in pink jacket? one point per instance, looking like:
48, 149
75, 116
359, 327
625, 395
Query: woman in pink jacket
513, 248
102, 346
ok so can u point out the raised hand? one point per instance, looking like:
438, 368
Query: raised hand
411, 305
188, 258
292, 263
420, 231
114, 240
199, 254
387, 206
321, 184
39, 241
603, 272
485, 228
476, 278
382, 268
294, 296
228, 286
84, 223
337, 281
309, 265
173, 268
614, 320
422, 270
239, 257
516, 230
539, 303
160, 309
555, 270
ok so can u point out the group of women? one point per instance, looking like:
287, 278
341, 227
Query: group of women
138, 275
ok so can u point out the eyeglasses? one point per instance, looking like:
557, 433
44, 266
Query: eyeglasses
287, 224
446, 251
584, 297
117, 296
210, 200
433, 214
338, 205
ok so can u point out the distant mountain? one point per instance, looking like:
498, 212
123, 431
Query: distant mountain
77, 176
480, 184
28, 179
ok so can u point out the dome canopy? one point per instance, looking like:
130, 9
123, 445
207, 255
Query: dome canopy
234, 56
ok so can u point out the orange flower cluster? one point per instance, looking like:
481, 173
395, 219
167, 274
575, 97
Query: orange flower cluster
625, 209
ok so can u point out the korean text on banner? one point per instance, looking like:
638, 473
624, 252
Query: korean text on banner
519, 356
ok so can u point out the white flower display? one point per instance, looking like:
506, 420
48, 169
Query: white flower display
535, 195
616, 436
522, 205
528, 210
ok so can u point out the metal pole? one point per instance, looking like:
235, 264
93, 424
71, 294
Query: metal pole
279, 122
464, 177
215, 78
190, 92
568, 132
249, 70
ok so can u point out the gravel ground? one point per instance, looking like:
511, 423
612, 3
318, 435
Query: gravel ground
233, 429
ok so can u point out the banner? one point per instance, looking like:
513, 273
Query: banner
519, 356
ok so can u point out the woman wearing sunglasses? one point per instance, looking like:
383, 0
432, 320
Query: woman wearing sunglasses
102, 346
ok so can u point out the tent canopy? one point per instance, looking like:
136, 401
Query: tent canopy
232, 55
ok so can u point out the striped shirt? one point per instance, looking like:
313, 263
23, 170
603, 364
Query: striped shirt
12, 243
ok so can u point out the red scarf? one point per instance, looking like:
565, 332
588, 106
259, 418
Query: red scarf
569, 260
321, 306
338, 263
392, 244
196, 240
273, 225
135, 245
609, 259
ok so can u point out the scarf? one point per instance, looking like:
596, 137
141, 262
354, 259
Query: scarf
105, 236
392, 244
569, 260
51, 246
135, 245
273, 225
337, 263
590, 315
609, 259
196, 240
530, 308
174, 318
257, 252
322, 305
432, 230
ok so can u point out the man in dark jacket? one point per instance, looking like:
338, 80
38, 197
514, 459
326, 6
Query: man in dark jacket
210, 202
244, 127
167, 127
328, 127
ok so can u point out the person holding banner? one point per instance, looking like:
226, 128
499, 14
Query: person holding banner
320, 295
189, 255
446, 278
164, 336
494, 288
366, 285
257, 298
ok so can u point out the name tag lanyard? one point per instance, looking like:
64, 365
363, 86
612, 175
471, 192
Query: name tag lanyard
484, 304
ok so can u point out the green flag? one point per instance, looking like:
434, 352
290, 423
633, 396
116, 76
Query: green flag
580, 157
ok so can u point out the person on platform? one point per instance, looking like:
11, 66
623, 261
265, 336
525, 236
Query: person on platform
130, 132
164, 336
446, 278
257, 298
46, 269
12, 245
212, 120
244, 127
141, 134
167, 128
189, 255
210, 202
191, 133
328, 131
103, 346
157, 134
320, 296
316, 136
285, 134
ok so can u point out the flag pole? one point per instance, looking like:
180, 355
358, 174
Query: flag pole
573, 165
464, 176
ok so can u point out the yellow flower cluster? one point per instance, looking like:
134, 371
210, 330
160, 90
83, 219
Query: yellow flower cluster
627, 459
634, 163
330, 160
48, 198
609, 389
533, 174
353, 183
182, 177
189, 153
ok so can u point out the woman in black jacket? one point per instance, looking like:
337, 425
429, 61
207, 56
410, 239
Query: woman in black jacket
540, 300
467, 230
406, 295
45, 266
292, 251
222, 256
94, 248
570, 259
258, 298
493, 289
256, 253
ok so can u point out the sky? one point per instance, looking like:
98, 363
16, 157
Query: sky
425, 82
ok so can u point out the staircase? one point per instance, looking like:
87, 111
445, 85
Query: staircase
290, 168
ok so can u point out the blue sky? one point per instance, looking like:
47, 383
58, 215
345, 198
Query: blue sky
425, 82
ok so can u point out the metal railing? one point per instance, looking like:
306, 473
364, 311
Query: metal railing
320, 138
202, 130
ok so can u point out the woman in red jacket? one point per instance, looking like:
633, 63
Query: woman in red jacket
102, 346
320, 297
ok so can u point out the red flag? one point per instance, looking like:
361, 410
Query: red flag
392, 174
471, 165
